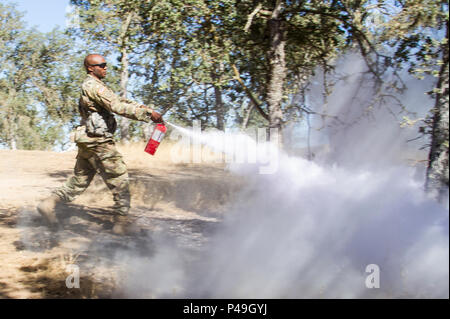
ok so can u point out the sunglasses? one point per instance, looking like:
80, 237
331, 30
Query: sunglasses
102, 65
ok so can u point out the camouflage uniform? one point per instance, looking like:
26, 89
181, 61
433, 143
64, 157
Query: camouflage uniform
96, 148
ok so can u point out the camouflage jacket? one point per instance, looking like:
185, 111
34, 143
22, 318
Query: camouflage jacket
97, 105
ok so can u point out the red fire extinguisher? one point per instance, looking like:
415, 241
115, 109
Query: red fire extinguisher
156, 138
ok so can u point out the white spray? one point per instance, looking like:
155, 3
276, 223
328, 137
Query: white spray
314, 231
309, 231
254, 146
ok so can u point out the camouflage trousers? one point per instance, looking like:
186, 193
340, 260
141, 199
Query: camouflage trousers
108, 162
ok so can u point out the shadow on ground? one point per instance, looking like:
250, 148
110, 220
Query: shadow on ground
85, 239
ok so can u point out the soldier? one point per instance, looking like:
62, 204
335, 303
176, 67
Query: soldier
96, 147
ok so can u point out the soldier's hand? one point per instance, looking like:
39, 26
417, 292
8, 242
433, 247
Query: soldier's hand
156, 117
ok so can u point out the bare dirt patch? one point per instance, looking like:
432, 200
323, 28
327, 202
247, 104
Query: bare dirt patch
183, 201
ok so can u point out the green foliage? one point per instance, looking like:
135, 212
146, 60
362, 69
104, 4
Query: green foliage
38, 91
181, 57
417, 34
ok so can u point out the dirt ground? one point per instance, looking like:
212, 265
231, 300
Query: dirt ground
183, 201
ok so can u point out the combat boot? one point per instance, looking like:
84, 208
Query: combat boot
47, 209
121, 225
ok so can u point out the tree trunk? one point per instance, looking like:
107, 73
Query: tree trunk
219, 108
12, 135
437, 181
11, 117
277, 63
124, 76
247, 114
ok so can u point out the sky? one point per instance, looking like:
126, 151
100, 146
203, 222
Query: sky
43, 14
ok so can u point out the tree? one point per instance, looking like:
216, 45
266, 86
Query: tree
11, 25
279, 44
187, 39
437, 170
37, 84
419, 33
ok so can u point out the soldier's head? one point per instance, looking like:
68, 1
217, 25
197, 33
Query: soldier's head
95, 64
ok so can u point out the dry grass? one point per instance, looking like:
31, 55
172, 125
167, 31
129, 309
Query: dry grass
160, 188
168, 154
47, 278
158, 179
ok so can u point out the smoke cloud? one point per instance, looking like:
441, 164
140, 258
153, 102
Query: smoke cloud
310, 232
311, 229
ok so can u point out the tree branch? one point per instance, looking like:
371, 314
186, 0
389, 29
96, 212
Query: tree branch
250, 94
250, 17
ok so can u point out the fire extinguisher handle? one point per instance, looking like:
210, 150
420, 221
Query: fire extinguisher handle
156, 117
